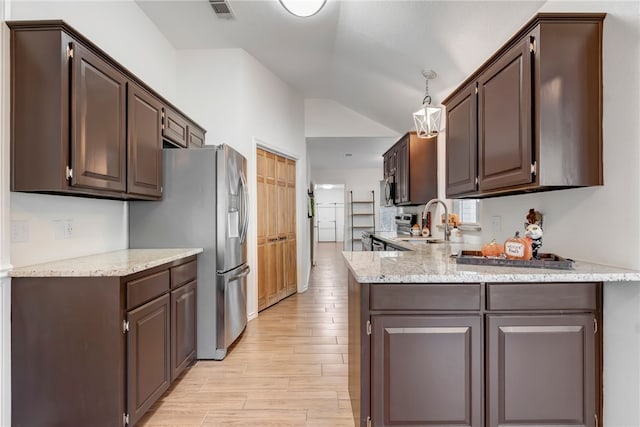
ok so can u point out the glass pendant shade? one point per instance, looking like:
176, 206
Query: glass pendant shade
427, 120
303, 8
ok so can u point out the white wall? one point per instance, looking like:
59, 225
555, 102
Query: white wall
327, 118
243, 104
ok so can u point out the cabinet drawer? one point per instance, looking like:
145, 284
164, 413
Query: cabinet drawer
183, 274
146, 288
542, 296
438, 297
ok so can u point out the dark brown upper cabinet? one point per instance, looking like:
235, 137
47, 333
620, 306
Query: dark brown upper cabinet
462, 142
98, 138
196, 136
530, 118
174, 128
145, 143
411, 164
81, 123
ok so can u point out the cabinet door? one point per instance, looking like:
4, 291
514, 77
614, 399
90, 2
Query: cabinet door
291, 271
402, 171
272, 271
144, 143
281, 266
504, 120
426, 370
174, 127
461, 143
148, 356
183, 328
263, 277
98, 116
196, 137
540, 370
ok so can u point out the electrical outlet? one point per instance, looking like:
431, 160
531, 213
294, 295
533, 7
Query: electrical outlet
19, 231
62, 228
67, 229
496, 224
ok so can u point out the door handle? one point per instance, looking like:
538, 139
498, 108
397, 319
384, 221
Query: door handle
245, 272
245, 209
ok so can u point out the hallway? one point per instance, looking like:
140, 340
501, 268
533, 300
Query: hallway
289, 368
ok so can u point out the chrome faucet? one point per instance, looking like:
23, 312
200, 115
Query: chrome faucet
447, 230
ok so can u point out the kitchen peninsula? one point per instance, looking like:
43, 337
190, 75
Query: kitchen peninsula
434, 343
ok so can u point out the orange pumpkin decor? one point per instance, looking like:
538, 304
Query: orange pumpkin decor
518, 247
492, 249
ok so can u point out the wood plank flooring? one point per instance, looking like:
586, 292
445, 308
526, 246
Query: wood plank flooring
287, 369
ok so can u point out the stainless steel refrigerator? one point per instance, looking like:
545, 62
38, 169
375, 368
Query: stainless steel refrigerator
205, 205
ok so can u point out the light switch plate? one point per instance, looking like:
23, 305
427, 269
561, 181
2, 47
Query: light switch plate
496, 224
19, 231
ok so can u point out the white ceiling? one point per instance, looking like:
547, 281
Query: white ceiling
366, 55
329, 153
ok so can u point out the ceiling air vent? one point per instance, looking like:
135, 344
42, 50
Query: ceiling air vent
221, 8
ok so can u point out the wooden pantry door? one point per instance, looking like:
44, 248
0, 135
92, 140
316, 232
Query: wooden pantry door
277, 269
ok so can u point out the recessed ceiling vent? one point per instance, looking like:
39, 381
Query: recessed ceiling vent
221, 8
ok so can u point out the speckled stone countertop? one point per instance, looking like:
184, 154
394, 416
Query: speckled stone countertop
432, 263
118, 263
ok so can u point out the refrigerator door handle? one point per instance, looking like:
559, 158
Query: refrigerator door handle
244, 272
245, 209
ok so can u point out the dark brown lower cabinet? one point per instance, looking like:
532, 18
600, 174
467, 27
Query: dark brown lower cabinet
148, 355
426, 370
540, 370
99, 351
183, 328
475, 354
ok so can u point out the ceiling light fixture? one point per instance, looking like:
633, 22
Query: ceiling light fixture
303, 8
427, 118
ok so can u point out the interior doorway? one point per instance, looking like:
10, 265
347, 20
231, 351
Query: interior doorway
329, 200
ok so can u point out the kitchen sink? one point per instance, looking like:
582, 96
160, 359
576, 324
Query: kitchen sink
418, 239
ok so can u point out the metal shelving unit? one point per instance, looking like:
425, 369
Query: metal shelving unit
365, 209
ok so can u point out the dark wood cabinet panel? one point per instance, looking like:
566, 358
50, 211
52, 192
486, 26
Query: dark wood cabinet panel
504, 120
538, 112
411, 171
174, 128
82, 124
183, 328
67, 351
98, 111
196, 137
426, 370
144, 143
461, 143
402, 172
498, 354
148, 355
107, 361
540, 370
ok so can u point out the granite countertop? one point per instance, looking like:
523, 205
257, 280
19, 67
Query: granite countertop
432, 263
118, 263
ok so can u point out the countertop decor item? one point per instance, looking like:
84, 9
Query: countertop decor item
427, 118
518, 247
544, 261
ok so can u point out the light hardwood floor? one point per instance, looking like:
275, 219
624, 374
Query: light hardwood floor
289, 368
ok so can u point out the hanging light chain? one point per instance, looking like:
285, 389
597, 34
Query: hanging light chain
427, 98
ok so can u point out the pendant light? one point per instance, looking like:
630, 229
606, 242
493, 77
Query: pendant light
303, 8
427, 118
